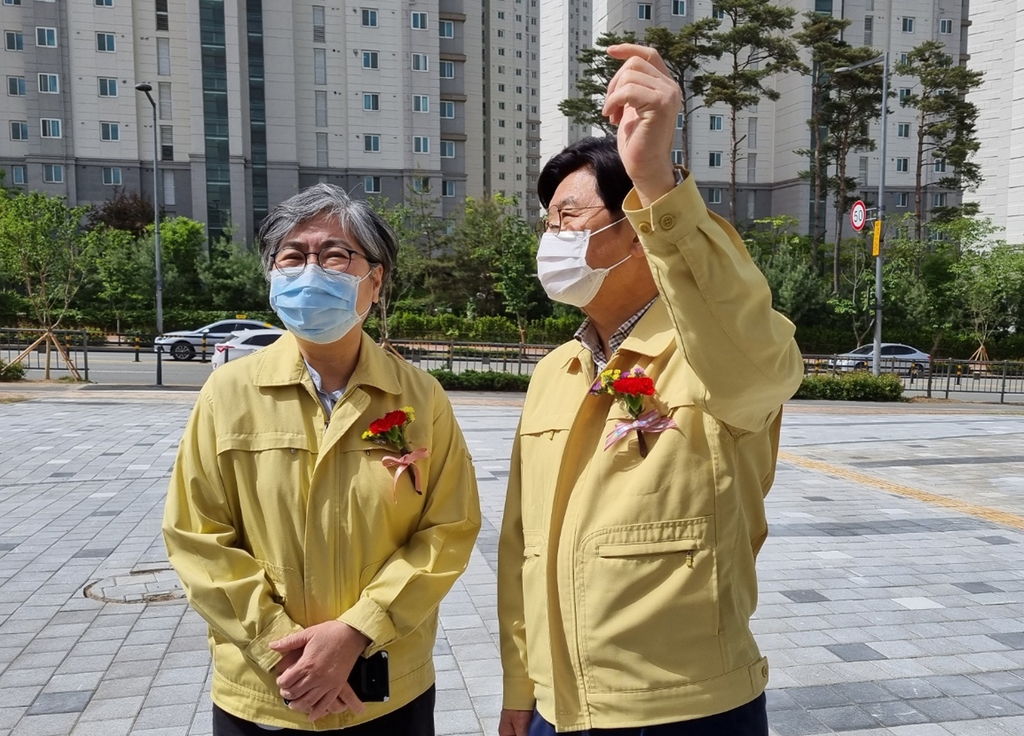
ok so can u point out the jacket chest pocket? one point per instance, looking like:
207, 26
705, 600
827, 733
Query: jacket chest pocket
542, 440
649, 606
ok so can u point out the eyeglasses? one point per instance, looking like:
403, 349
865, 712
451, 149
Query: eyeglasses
557, 217
332, 258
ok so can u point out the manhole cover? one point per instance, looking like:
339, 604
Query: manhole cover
138, 586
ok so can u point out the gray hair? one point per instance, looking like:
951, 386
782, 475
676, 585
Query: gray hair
355, 216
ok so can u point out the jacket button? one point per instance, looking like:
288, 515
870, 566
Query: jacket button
292, 450
667, 222
764, 671
645, 227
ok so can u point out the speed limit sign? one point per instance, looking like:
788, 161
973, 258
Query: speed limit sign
858, 215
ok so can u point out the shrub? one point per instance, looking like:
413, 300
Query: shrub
857, 386
481, 381
10, 372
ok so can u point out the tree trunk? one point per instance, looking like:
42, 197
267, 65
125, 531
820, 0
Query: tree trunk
840, 212
686, 132
732, 169
816, 236
46, 372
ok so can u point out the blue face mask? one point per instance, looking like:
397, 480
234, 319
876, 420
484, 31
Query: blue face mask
315, 304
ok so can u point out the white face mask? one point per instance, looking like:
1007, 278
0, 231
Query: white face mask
562, 266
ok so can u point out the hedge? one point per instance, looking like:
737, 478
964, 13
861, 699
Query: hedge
10, 372
857, 386
481, 381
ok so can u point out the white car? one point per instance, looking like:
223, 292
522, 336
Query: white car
184, 344
242, 343
896, 358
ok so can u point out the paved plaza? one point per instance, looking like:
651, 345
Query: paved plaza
892, 583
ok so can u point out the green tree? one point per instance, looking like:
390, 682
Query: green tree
821, 34
797, 289
855, 101
183, 247
407, 280
475, 243
946, 121
515, 269
685, 53
233, 277
988, 286
598, 70
125, 273
754, 45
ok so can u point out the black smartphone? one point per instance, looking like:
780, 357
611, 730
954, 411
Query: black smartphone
369, 678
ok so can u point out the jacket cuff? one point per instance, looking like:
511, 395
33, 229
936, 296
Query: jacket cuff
259, 650
372, 621
517, 693
675, 214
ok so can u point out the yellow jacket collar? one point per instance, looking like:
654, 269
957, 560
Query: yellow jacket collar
281, 364
651, 336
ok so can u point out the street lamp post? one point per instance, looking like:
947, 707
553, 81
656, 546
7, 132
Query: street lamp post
876, 359
146, 89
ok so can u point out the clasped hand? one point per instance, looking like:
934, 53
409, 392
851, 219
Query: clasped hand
313, 673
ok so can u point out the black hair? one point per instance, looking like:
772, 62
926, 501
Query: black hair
601, 157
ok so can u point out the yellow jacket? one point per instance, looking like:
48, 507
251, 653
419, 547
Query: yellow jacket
277, 520
625, 586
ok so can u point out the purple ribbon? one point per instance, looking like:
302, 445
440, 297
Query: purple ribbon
652, 421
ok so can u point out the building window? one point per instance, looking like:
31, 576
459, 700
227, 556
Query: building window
110, 132
419, 62
371, 184
447, 109
319, 66
19, 130
166, 142
105, 42
643, 11
163, 18
902, 199
421, 184
447, 70
717, 12
46, 37
53, 173
371, 143
869, 30
939, 165
163, 57
678, 7
714, 196
164, 98
320, 103
420, 103
908, 25
371, 101
319, 24
420, 144
369, 18
903, 165
419, 21
16, 86
12, 2
939, 199
946, 26
715, 122
447, 149
102, 3
108, 87
49, 128
677, 156
14, 41
322, 161
371, 60
446, 29
19, 174
111, 176
679, 121
170, 196
751, 132
49, 84
715, 159
903, 130
823, 6
904, 93
751, 168
447, 188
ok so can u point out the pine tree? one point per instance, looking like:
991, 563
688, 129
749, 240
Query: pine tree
598, 70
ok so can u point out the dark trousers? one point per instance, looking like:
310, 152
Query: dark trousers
413, 719
747, 720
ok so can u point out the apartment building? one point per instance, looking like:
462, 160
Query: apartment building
997, 49
768, 172
254, 101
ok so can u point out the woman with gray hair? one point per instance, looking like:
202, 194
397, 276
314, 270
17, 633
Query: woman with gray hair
323, 500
